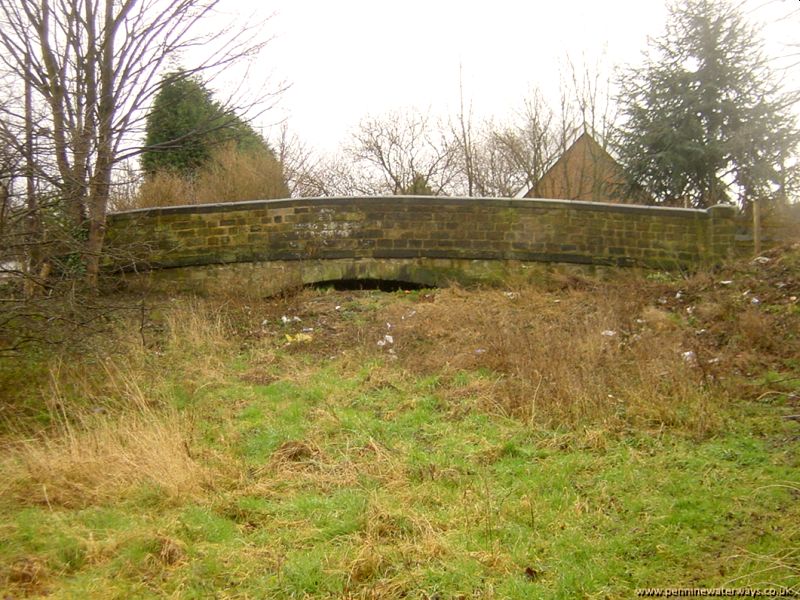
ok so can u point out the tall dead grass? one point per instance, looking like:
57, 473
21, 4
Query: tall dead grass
229, 176
200, 336
100, 459
114, 428
164, 188
233, 175
593, 356
119, 439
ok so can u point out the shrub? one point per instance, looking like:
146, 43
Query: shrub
230, 175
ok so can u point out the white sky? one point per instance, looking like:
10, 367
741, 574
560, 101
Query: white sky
345, 59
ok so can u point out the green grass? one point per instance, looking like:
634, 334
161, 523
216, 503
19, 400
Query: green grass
356, 477
464, 506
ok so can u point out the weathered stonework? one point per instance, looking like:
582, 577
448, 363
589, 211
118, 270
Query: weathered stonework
420, 239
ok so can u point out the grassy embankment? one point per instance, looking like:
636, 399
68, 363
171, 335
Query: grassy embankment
576, 439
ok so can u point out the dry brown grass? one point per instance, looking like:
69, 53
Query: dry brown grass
535, 354
590, 357
164, 189
123, 369
395, 539
600, 355
27, 574
572, 352
112, 429
104, 459
201, 337
232, 175
229, 176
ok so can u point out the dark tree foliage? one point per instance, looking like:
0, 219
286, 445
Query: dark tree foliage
705, 119
419, 186
185, 124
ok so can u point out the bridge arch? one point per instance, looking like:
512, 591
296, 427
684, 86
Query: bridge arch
265, 246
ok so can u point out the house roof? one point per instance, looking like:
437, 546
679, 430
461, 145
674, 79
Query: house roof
570, 171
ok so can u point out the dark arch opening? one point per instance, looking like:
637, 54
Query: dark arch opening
384, 285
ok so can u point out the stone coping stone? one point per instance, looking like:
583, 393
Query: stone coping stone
431, 201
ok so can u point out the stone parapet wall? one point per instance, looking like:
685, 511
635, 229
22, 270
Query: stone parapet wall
412, 227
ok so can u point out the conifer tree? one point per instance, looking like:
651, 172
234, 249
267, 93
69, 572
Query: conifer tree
186, 124
706, 121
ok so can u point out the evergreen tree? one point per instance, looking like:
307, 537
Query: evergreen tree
706, 122
186, 124
418, 186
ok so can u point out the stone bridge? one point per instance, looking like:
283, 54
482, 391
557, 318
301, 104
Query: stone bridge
262, 247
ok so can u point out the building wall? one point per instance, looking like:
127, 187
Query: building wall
584, 172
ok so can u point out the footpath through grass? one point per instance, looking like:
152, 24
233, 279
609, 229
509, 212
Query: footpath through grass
572, 440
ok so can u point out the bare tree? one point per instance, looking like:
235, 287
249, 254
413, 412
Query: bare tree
581, 167
505, 162
19, 204
498, 159
589, 94
9, 167
463, 135
398, 151
94, 66
531, 144
337, 175
301, 167
409, 153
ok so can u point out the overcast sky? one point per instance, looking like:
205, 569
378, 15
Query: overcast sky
345, 59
